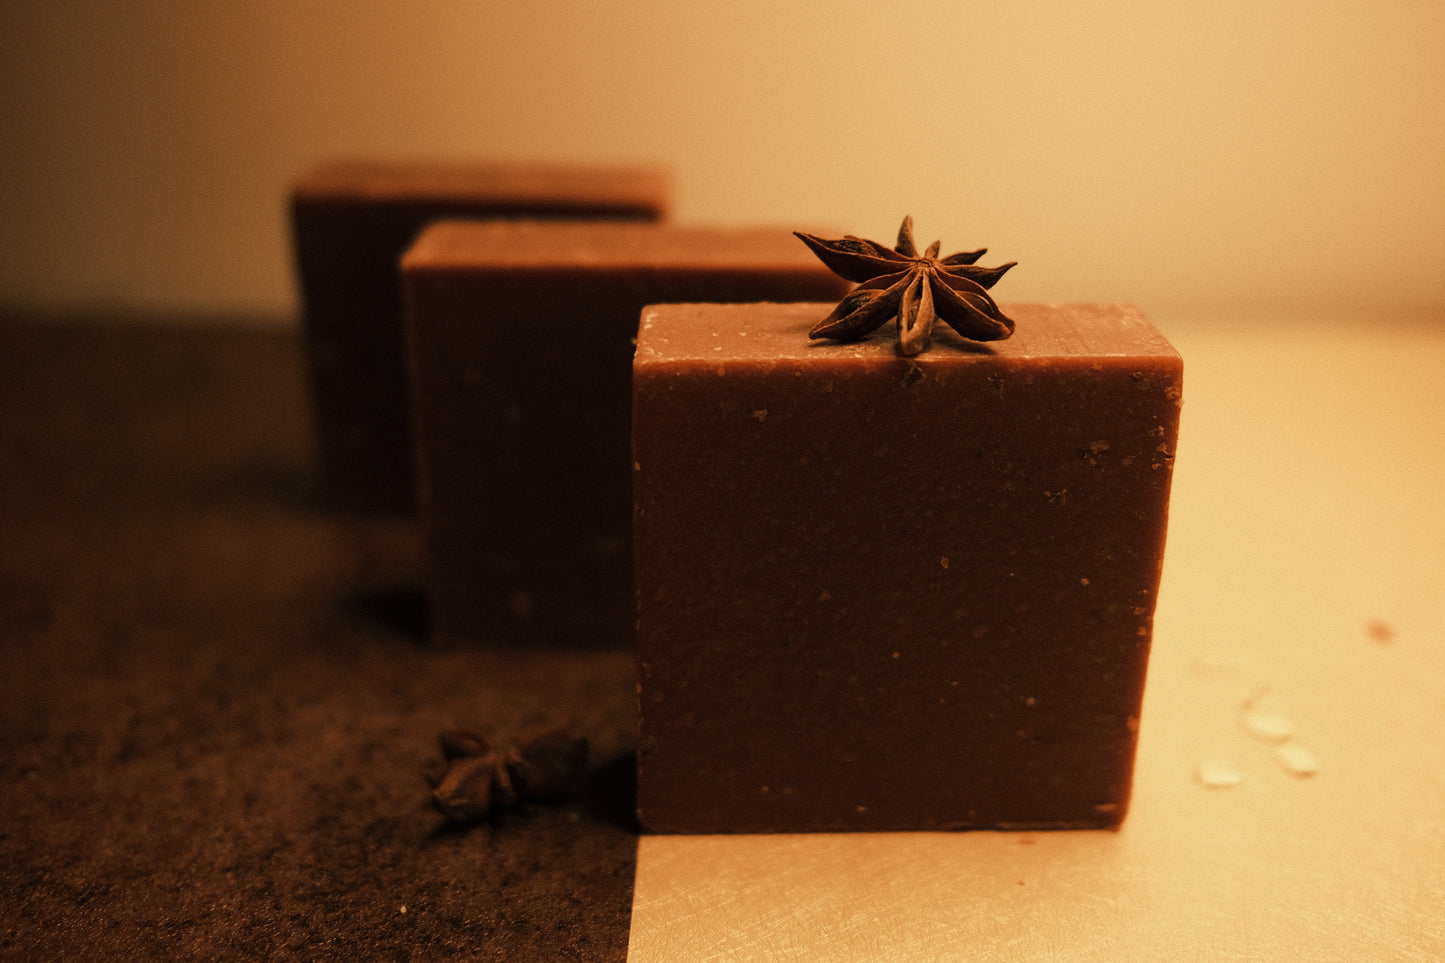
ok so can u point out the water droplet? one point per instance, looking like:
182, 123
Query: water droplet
1268, 726
1296, 759
1218, 774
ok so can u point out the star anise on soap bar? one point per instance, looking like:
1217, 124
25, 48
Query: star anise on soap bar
915, 290
482, 779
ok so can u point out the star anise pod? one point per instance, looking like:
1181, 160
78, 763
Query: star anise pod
481, 779
915, 290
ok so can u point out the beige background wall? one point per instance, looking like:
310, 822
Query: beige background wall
1163, 153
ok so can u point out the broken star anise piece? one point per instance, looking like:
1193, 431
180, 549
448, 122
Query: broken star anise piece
915, 290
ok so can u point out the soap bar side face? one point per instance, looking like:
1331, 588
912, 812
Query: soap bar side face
883, 594
351, 222
522, 386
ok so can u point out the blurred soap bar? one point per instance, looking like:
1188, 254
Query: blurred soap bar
522, 340
351, 221
882, 593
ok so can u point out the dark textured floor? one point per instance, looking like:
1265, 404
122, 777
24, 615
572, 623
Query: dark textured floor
217, 705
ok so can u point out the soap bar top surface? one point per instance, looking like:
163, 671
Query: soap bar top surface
501, 187
1045, 333
608, 246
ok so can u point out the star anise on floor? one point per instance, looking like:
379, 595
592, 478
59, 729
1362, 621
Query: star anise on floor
915, 290
482, 779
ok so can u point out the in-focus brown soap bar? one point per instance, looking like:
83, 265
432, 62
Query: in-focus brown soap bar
351, 222
878, 593
522, 341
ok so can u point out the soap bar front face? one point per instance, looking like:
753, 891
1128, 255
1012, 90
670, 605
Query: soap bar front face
522, 340
878, 593
351, 221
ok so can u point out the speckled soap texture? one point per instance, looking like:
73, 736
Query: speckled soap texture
881, 593
522, 338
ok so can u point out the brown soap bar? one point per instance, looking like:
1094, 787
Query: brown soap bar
351, 222
522, 337
879, 593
